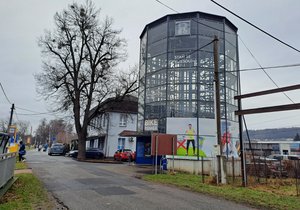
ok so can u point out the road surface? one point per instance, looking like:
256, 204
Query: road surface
84, 186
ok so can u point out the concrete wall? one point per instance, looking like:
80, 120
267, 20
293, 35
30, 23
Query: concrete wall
195, 166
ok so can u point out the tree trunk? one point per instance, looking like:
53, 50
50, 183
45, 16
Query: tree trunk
81, 146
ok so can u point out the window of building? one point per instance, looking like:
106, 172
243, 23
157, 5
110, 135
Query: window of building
121, 143
123, 120
182, 28
104, 120
91, 143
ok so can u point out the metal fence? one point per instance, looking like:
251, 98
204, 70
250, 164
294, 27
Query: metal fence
260, 170
7, 167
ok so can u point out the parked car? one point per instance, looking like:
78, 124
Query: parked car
73, 153
95, 153
56, 149
124, 155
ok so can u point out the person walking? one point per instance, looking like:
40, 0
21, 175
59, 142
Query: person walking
22, 151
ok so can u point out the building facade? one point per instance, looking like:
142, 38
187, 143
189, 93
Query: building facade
105, 127
176, 80
266, 148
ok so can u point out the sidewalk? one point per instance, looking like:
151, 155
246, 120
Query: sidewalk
23, 171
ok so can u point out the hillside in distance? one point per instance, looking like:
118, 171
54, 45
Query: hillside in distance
273, 134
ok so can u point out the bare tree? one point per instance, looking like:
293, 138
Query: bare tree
3, 125
42, 132
79, 60
22, 127
59, 127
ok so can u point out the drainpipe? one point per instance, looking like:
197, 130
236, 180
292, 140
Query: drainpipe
106, 139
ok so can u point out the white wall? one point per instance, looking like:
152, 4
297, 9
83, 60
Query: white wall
111, 145
195, 167
285, 146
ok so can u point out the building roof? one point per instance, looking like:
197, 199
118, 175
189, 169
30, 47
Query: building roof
127, 104
187, 15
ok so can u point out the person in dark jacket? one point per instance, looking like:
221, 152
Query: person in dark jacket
22, 151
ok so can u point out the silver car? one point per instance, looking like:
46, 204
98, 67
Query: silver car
57, 149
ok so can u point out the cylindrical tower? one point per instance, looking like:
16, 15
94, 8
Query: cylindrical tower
176, 78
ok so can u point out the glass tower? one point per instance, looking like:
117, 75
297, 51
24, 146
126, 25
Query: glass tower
176, 69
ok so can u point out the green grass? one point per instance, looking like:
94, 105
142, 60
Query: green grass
20, 165
250, 195
26, 193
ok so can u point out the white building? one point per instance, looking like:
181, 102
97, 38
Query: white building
115, 117
287, 147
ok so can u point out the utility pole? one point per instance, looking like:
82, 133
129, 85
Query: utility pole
217, 104
243, 166
11, 116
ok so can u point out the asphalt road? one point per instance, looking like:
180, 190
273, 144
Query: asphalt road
84, 186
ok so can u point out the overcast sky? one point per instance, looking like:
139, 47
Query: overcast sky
23, 21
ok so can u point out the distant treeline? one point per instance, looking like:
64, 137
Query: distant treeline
273, 134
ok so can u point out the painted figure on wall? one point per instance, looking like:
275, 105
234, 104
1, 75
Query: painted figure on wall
190, 138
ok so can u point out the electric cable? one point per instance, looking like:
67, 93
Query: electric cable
192, 18
252, 55
270, 35
35, 112
7, 99
269, 67
194, 51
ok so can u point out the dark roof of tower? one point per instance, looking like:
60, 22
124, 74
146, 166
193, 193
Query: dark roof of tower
189, 15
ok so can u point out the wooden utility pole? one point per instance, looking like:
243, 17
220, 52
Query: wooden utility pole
243, 166
217, 91
11, 116
217, 103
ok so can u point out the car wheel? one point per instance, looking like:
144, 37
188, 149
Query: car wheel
49, 154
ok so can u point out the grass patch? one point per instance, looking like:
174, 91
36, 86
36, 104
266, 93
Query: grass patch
26, 193
20, 165
255, 196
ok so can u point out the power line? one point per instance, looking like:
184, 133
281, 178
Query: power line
269, 67
35, 112
165, 5
272, 67
5, 93
264, 69
270, 35
179, 59
17, 116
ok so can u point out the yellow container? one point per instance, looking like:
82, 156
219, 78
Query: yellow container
13, 148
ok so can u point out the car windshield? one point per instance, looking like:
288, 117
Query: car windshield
127, 150
57, 146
